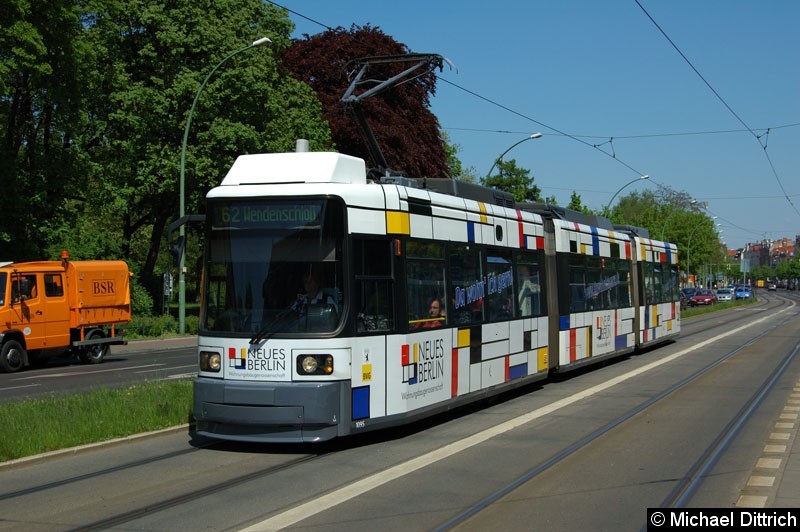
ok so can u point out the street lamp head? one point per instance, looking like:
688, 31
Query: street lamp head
645, 177
534, 136
262, 41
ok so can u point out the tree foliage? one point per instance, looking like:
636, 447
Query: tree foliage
95, 97
405, 128
576, 204
691, 229
514, 179
43, 66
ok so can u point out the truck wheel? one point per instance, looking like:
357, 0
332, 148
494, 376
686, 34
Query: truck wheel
12, 356
94, 354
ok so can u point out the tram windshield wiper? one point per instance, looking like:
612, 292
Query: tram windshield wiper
273, 326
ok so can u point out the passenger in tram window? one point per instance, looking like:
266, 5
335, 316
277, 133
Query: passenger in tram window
507, 310
435, 315
527, 298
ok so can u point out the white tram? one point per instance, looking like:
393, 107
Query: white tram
333, 305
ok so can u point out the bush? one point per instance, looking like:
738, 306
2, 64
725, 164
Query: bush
151, 326
158, 326
141, 300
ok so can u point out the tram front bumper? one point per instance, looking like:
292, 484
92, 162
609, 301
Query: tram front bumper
270, 411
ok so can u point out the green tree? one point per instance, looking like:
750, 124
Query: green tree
43, 69
514, 179
788, 269
693, 231
762, 273
454, 167
576, 205
151, 57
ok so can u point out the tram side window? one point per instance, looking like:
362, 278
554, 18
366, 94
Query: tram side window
373, 275
467, 286
648, 286
671, 276
595, 292
528, 284
623, 289
658, 286
499, 284
577, 283
598, 283
425, 284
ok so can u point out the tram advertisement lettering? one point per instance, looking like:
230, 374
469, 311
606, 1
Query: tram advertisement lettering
595, 289
494, 283
603, 327
423, 361
258, 359
603, 330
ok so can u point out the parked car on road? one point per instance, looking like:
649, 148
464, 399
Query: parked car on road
686, 293
742, 292
702, 297
725, 294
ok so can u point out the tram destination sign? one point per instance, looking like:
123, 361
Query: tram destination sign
266, 214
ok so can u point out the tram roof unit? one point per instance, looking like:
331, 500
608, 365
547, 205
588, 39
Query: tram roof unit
296, 167
546, 210
633, 230
462, 189
332, 167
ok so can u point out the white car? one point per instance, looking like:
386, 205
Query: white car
725, 294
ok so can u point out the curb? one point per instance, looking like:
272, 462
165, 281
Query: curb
136, 346
38, 458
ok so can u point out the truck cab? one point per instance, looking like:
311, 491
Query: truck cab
52, 308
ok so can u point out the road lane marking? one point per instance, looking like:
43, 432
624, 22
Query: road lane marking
51, 375
18, 387
171, 368
336, 497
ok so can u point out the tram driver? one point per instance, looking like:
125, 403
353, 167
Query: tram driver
313, 293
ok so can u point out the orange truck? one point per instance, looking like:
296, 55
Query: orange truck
53, 308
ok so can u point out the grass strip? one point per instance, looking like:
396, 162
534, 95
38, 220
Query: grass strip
706, 309
36, 426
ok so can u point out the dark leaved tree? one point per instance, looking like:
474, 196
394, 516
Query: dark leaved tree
400, 117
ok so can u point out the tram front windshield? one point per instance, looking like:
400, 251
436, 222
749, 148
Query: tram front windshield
273, 267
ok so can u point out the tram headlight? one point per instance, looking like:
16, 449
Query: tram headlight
315, 364
210, 361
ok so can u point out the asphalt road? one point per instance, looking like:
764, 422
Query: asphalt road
142, 360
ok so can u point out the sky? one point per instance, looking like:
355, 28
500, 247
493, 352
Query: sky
717, 118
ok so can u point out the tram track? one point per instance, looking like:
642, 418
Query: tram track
694, 475
177, 500
96, 474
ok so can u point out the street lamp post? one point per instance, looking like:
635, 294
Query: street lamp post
689, 245
181, 263
673, 211
534, 136
608, 207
